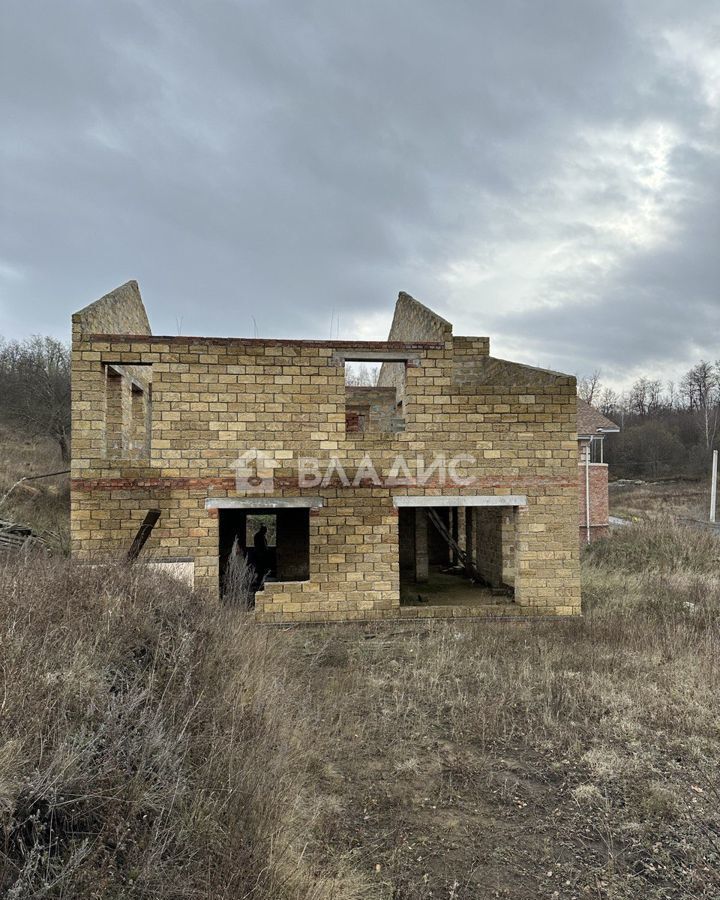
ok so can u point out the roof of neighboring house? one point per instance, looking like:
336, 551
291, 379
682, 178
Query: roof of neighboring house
590, 421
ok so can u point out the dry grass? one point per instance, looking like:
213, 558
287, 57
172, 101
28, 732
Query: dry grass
643, 500
238, 589
151, 747
573, 759
660, 545
155, 745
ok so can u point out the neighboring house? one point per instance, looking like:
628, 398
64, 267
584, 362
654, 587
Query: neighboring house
448, 489
592, 427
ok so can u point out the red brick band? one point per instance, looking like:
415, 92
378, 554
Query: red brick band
228, 484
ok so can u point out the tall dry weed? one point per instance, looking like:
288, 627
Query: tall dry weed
151, 745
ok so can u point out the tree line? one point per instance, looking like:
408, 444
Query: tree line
668, 429
35, 388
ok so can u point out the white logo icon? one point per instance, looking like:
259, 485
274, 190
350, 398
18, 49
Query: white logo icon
254, 472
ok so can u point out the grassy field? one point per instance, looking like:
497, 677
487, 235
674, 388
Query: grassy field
641, 500
155, 745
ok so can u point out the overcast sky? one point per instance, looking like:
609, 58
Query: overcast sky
547, 173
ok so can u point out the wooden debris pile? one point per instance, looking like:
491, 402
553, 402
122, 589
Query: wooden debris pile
16, 538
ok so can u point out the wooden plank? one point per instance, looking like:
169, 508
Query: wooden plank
143, 533
16, 538
462, 555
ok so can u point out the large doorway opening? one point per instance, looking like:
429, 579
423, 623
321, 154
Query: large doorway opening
276, 544
457, 555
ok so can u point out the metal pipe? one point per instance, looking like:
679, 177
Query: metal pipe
587, 494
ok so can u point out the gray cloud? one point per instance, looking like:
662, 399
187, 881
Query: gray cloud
546, 173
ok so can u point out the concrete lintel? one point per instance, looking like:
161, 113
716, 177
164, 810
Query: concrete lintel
111, 361
409, 357
460, 500
264, 502
122, 372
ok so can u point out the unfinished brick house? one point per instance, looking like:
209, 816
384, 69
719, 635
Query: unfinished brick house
215, 434
592, 427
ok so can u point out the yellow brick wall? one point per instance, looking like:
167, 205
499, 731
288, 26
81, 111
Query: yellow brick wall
212, 400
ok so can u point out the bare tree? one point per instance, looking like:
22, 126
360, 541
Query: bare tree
588, 387
646, 397
609, 402
654, 395
638, 397
700, 389
361, 375
35, 388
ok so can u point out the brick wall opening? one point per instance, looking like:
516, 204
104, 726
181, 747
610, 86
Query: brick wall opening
357, 417
286, 556
140, 422
361, 373
456, 556
439, 552
115, 414
370, 407
128, 412
494, 545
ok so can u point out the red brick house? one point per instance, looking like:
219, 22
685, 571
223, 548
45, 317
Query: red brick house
592, 426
